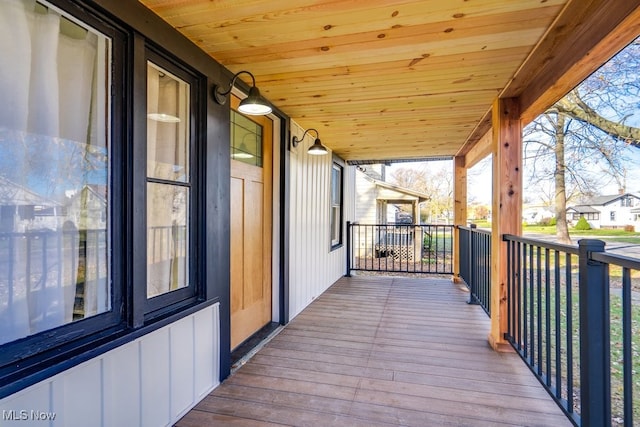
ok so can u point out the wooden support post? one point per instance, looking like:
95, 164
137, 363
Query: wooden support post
506, 215
459, 210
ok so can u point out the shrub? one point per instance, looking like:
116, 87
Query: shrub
582, 224
629, 228
553, 221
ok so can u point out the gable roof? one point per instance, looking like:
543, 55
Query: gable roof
403, 192
583, 209
394, 192
14, 194
605, 200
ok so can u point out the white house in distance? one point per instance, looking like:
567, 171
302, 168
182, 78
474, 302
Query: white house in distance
612, 211
376, 198
535, 214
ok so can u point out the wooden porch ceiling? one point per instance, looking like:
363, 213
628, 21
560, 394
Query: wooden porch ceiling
382, 351
398, 79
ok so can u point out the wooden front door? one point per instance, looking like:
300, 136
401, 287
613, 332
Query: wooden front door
251, 210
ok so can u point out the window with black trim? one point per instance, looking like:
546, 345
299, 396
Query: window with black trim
59, 142
99, 221
336, 205
170, 190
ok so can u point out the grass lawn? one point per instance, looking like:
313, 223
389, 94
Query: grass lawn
605, 234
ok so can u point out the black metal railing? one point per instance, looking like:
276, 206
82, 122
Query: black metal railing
400, 248
36, 265
572, 320
475, 264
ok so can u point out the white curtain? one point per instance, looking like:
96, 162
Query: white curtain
167, 204
46, 88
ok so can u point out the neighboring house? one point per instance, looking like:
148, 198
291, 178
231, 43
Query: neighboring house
378, 202
536, 214
612, 211
23, 210
87, 208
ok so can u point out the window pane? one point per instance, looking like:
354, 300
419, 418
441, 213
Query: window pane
246, 140
54, 172
336, 204
167, 125
167, 238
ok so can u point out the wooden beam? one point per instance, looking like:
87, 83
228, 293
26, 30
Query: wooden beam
585, 35
479, 131
506, 215
459, 209
479, 151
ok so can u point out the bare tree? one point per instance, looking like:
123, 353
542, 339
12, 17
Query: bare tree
580, 142
437, 184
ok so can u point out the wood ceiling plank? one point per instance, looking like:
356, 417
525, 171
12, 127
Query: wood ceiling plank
427, 71
430, 64
397, 35
320, 19
401, 78
378, 51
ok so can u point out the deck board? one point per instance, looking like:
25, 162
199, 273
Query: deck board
382, 351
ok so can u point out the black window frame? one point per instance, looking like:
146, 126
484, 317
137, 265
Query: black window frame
30, 360
338, 164
35, 353
173, 301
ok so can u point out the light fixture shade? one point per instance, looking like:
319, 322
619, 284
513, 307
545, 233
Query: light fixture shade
163, 117
242, 152
241, 155
317, 149
254, 104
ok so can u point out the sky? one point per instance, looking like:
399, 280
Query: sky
479, 179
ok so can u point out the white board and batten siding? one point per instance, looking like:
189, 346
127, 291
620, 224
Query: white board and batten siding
151, 381
366, 206
313, 265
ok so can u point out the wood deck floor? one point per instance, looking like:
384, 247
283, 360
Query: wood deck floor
381, 351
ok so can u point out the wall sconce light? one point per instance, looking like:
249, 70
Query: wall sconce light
254, 104
317, 149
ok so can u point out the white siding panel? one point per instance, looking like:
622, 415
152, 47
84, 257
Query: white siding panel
207, 351
154, 359
366, 198
82, 390
182, 366
313, 265
122, 397
151, 381
16, 410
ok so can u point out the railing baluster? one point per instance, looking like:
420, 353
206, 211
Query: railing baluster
569, 332
525, 306
12, 257
520, 296
532, 328
547, 308
540, 344
558, 323
349, 238
627, 343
